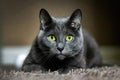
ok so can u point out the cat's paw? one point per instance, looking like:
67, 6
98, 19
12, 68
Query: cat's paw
29, 68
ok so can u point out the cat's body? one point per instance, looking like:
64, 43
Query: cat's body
62, 45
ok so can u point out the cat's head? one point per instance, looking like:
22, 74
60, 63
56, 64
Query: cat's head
61, 37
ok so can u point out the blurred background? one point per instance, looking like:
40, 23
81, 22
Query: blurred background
19, 25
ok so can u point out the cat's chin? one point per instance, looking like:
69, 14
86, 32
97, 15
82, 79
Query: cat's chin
61, 57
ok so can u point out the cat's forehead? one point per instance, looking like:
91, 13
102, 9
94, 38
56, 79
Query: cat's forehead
60, 24
60, 20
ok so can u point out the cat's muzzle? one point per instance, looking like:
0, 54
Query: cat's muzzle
61, 57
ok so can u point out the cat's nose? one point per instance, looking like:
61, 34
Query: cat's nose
60, 49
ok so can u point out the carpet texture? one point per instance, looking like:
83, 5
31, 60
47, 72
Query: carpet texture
103, 73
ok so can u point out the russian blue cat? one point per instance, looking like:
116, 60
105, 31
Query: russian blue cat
62, 44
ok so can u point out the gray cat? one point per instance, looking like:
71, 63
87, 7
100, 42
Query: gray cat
62, 45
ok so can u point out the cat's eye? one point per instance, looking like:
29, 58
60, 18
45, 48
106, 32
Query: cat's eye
51, 38
69, 38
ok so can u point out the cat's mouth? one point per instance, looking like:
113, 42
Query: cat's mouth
61, 57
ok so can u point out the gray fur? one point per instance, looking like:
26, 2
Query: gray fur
81, 52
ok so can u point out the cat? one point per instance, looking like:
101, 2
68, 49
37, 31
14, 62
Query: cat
61, 45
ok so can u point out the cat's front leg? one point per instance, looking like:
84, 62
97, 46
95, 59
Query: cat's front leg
32, 67
66, 70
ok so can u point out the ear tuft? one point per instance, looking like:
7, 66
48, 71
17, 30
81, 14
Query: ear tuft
75, 18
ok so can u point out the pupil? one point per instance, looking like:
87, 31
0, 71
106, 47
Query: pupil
68, 37
51, 37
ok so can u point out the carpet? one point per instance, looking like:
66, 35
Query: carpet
103, 73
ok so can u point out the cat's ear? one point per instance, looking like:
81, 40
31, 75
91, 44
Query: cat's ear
75, 19
45, 18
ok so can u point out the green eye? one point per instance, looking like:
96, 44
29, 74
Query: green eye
51, 38
69, 38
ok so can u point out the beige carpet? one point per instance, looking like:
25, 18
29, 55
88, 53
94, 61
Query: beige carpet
104, 73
